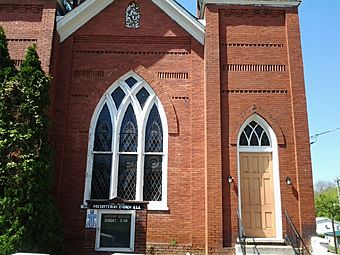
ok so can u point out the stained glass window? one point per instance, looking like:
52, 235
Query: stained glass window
152, 178
129, 132
101, 176
154, 132
131, 81
132, 16
118, 96
138, 159
254, 135
103, 133
127, 174
142, 96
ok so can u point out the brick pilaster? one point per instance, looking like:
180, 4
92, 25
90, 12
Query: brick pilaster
213, 159
303, 166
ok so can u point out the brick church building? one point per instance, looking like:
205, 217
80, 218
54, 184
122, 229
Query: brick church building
202, 116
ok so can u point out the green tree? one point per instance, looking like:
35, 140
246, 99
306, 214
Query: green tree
7, 68
28, 219
327, 204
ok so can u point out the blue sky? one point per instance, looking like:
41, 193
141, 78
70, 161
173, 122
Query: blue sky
320, 32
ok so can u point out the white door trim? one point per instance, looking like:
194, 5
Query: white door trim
276, 173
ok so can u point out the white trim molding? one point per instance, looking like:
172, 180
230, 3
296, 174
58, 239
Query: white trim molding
78, 17
273, 148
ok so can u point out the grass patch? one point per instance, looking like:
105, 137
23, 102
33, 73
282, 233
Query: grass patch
332, 249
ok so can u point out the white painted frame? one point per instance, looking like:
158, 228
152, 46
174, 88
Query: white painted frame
82, 14
132, 230
117, 118
273, 148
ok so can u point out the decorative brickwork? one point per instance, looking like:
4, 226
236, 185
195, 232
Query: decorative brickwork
88, 74
20, 8
132, 39
177, 76
274, 45
99, 52
255, 91
250, 63
255, 68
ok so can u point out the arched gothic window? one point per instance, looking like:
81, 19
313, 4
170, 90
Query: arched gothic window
132, 15
254, 135
128, 145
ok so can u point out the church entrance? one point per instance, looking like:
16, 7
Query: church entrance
257, 195
259, 184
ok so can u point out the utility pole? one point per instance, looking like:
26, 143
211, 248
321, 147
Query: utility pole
334, 236
338, 187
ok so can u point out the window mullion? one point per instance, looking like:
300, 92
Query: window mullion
114, 168
140, 158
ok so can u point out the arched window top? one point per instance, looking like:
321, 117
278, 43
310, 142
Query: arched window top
103, 133
132, 15
254, 135
154, 132
128, 145
129, 132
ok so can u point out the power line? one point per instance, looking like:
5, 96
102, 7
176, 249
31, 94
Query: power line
316, 136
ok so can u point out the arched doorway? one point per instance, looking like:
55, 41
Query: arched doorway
259, 185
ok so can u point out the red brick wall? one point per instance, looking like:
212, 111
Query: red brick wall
261, 72
26, 23
158, 46
250, 63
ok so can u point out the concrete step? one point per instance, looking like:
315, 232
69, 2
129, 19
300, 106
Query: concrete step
264, 249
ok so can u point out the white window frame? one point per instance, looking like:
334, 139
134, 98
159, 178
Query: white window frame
132, 231
117, 117
273, 148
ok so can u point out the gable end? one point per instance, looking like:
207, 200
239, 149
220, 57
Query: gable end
90, 8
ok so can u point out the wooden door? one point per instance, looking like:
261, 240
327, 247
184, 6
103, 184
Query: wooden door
257, 195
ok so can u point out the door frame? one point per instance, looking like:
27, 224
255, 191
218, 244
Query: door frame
276, 175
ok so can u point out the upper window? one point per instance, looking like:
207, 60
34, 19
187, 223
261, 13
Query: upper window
128, 145
132, 15
254, 135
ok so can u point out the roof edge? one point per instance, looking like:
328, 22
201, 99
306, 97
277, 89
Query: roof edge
182, 18
78, 17
271, 3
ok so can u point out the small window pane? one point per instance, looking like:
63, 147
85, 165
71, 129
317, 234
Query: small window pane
103, 133
253, 124
129, 132
115, 231
243, 140
265, 140
118, 96
259, 130
142, 96
254, 140
152, 178
154, 132
101, 175
248, 130
131, 82
127, 173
